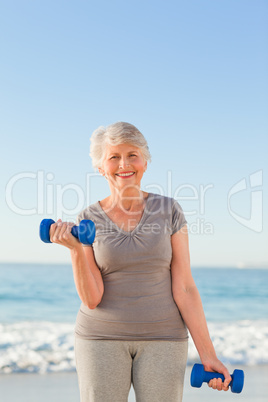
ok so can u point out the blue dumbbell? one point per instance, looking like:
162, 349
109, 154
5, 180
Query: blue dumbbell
85, 232
199, 375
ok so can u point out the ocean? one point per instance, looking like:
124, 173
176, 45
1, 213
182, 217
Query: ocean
39, 304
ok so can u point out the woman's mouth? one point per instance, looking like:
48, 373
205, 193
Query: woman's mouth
125, 175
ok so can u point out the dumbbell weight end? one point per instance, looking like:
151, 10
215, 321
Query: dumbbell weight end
44, 230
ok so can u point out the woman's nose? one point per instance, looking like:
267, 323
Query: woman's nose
123, 163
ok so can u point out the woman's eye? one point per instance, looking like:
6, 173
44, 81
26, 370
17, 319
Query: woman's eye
133, 155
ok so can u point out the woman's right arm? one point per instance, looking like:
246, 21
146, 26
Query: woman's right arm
87, 276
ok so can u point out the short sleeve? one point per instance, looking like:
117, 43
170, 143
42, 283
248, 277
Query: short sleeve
178, 218
79, 218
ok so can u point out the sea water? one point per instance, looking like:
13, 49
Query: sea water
39, 304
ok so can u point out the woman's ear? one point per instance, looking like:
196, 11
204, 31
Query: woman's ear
101, 171
145, 166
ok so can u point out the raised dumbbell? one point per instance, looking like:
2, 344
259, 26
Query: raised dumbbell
85, 232
199, 375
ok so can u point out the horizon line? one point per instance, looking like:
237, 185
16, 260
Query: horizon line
209, 265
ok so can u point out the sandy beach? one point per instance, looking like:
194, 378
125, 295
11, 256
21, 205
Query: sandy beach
64, 387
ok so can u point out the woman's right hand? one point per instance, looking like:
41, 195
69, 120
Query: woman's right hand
60, 233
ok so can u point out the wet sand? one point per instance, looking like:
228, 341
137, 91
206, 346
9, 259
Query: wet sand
64, 387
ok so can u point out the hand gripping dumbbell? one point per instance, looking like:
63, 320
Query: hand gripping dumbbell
199, 375
85, 232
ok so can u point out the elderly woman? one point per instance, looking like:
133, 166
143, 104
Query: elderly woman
135, 283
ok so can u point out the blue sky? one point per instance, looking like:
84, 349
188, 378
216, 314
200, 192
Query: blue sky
192, 76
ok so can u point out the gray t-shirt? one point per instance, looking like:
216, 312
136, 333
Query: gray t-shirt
137, 303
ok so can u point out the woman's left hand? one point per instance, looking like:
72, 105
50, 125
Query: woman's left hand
217, 383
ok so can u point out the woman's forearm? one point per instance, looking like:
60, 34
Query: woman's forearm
88, 279
191, 309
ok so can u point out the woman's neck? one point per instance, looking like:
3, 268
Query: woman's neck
127, 199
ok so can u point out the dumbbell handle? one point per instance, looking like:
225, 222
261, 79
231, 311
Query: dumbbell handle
209, 375
74, 231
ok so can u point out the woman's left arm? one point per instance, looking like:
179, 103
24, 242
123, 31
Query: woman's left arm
187, 298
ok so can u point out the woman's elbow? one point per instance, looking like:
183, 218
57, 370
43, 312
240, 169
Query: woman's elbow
92, 304
183, 292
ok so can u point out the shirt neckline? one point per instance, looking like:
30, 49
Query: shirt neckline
131, 232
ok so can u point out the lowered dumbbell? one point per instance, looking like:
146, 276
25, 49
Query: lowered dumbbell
85, 232
199, 375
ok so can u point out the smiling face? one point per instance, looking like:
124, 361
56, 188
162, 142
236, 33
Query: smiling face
123, 165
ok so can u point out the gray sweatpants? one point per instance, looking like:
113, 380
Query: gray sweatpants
106, 369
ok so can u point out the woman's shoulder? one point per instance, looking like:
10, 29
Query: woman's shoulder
89, 212
166, 200
170, 209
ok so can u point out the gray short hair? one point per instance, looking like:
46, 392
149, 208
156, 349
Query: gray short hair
116, 134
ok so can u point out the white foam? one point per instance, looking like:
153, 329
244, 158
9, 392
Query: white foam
43, 347
36, 347
237, 343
